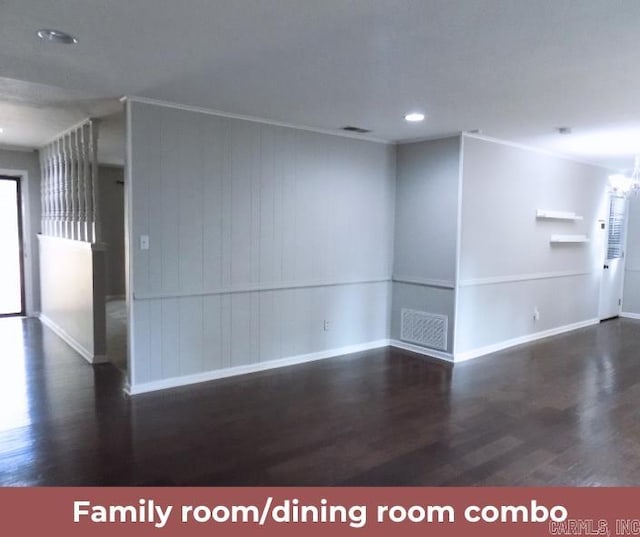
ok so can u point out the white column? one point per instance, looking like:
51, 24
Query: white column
88, 186
43, 190
72, 186
49, 200
97, 234
46, 175
66, 187
46, 185
75, 159
56, 189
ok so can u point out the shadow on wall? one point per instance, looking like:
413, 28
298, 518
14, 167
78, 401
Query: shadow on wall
112, 214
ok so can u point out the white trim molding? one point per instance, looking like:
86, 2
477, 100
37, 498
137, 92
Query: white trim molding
28, 272
535, 149
256, 287
71, 341
425, 351
502, 345
629, 315
206, 376
458, 268
81, 245
216, 374
493, 280
253, 119
425, 282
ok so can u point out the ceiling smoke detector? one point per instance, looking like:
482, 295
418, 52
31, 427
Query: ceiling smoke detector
564, 130
57, 36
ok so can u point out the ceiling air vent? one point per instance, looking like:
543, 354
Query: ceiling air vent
351, 128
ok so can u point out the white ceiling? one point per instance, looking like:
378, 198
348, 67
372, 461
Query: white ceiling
33, 114
516, 69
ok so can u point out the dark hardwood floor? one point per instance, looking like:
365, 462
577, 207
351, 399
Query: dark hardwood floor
563, 411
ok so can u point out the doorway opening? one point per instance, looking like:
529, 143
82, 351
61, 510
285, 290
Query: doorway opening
11, 259
612, 282
111, 180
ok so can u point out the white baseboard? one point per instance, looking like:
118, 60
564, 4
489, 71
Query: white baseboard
629, 315
206, 376
482, 351
446, 356
71, 341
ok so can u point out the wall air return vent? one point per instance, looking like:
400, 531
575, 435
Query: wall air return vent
358, 130
426, 329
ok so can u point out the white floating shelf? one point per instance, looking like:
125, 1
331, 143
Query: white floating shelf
544, 214
557, 239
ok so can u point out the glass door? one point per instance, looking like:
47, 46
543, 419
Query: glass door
11, 278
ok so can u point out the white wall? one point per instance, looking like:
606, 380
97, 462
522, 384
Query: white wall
631, 300
426, 227
508, 266
72, 284
111, 199
258, 234
20, 161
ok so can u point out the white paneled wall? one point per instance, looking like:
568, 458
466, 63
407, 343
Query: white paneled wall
257, 235
194, 334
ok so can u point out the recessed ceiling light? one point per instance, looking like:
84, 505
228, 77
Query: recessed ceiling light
414, 117
1, 130
56, 36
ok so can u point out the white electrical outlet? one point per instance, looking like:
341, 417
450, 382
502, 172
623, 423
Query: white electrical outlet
536, 314
328, 325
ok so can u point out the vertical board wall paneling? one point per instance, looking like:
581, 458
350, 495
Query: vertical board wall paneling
229, 205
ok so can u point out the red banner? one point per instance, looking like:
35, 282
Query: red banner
320, 511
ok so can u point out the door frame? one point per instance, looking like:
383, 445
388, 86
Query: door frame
610, 194
19, 202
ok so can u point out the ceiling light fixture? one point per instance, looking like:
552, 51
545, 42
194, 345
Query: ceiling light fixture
627, 185
56, 36
414, 117
1, 130
564, 130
